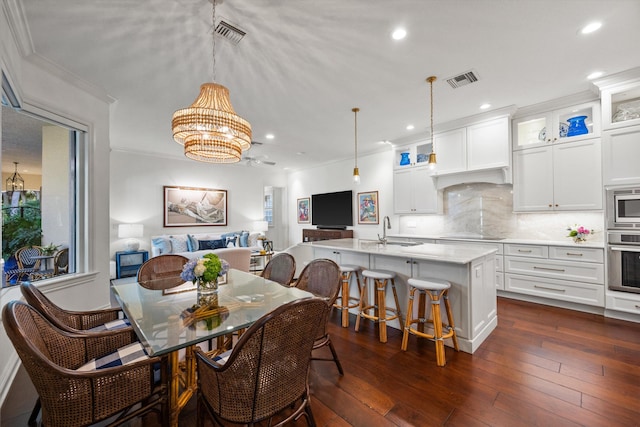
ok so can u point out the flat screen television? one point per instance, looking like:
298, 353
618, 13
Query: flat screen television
332, 210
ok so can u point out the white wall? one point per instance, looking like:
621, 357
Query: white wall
136, 192
47, 90
376, 174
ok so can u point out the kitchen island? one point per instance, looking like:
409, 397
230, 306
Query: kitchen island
471, 271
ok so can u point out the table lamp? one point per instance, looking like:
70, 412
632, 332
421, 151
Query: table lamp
261, 226
131, 232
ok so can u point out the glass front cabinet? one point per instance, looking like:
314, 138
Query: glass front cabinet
563, 125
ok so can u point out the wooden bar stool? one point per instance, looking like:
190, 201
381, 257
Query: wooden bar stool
438, 290
381, 313
346, 301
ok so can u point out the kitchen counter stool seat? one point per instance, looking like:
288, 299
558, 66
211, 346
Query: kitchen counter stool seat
381, 313
346, 301
438, 290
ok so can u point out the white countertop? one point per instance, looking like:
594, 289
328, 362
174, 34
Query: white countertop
427, 251
567, 242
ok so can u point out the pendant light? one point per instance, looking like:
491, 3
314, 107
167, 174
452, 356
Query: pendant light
210, 129
432, 156
15, 182
356, 172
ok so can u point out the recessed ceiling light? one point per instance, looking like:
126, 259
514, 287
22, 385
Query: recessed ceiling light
399, 34
410, 127
301, 153
485, 106
595, 75
591, 27
269, 136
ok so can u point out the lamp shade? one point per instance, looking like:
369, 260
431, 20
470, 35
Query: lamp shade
261, 226
130, 230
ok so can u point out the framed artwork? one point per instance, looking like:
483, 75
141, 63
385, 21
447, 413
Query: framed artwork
189, 207
304, 210
368, 207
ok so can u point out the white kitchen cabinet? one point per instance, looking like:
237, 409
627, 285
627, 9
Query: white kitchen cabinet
488, 144
620, 153
451, 151
621, 102
559, 177
414, 192
342, 257
499, 275
552, 127
564, 273
480, 146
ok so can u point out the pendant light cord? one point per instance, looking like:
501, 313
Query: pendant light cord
355, 114
431, 80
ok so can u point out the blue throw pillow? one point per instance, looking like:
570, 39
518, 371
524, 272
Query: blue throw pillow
192, 243
244, 239
211, 244
162, 244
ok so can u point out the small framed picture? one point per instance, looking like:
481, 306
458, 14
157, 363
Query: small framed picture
304, 206
368, 207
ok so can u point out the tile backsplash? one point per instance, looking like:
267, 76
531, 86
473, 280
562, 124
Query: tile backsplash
487, 209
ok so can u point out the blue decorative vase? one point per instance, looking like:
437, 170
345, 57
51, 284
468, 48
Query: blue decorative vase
404, 159
577, 126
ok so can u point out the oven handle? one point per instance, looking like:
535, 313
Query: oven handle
624, 249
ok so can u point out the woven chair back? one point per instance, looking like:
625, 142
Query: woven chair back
322, 278
268, 368
281, 269
162, 272
24, 257
61, 261
35, 298
68, 397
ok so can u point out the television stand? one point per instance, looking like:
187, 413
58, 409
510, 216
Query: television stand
313, 235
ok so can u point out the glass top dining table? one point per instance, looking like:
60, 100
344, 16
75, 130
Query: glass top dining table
163, 320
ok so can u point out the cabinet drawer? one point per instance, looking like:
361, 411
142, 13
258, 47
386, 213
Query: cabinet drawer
563, 290
535, 251
499, 263
629, 303
568, 270
500, 281
571, 253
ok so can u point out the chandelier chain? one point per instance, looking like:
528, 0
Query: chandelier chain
213, 35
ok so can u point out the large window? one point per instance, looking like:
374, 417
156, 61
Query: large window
39, 197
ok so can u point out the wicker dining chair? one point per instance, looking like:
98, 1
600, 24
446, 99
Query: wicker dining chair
61, 262
281, 269
162, 272
267, 371
25, 264
322, 277
71, 397
70, 321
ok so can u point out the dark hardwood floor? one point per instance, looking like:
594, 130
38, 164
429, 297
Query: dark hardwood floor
542, 366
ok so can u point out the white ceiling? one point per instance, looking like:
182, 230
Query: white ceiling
304, 64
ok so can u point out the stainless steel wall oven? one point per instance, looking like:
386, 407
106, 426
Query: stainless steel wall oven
624, 260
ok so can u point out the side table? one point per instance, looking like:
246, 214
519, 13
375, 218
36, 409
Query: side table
128, 262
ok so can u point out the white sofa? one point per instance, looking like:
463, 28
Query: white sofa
185, 244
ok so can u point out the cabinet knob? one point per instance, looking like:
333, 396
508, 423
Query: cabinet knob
550, 205
555, 139
556, 205
408, 262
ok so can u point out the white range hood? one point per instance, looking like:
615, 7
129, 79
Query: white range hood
492, 176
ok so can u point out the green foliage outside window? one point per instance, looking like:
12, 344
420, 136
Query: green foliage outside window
21, 226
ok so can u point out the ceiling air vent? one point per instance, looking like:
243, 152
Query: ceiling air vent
229, 32
463, 79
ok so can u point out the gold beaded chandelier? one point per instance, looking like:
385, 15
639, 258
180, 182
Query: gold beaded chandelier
209, 129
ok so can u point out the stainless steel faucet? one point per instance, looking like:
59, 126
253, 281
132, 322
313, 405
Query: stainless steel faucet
383, 239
